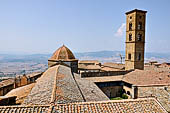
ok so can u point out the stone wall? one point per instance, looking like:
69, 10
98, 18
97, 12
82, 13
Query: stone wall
112, 91
147, 91
6, 89
101, 74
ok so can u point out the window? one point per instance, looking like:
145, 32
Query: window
130, 26
130, 17
129, 56
140, 26
130, 37
140, 17
139, 56
139, 37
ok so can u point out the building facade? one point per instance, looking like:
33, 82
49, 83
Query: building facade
135, 39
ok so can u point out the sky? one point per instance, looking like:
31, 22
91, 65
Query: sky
42, 26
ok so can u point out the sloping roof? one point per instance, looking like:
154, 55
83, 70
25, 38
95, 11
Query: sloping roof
104, 78
56, 85
63, 53
24, 109
145, 105
90, 90
120, 106
21, 93
136, 10
67, 90
7, 82
89, 67
42, 91
147, 77
89, 61
113, 65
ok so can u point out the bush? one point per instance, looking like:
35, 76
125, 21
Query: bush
124, 96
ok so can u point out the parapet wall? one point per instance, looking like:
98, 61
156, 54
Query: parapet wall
101, 74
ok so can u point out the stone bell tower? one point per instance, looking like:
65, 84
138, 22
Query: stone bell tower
135, 39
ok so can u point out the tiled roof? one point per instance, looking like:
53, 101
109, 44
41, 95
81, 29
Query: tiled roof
145, 105
89, 61
120, 106
67, 89
63, 53
24, 109
21, 92
105, 78
163, 97
89, 67
7, 82
113, 65
56, 85
109, 69
138, 77
90, 90
42, 91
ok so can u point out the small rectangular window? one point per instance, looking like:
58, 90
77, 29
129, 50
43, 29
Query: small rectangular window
139, 37
129, 56
130, 26
130, 37
139, 56
140, 26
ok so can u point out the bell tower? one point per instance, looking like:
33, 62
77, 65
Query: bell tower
135, 39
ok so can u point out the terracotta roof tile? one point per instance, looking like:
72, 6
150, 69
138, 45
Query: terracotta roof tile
63, 53
121, 106
7, 82
24, 109
89, 67
147, 77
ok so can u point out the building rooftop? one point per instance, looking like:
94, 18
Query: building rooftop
122, 106
21, 93
89, 67
135, 10
138, 77
90, 90
119, 106
89, 61
105, 78
7, 82
110, 66
63, 53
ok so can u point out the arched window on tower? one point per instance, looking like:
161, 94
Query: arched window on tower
130, 37
130, 26
140, 26
139, 37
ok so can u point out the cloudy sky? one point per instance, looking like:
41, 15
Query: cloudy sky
41, 26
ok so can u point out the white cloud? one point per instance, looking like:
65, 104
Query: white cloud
120, 31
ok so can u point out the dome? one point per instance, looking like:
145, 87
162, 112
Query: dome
63, 53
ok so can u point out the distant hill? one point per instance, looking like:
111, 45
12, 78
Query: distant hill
42, 58
12, 65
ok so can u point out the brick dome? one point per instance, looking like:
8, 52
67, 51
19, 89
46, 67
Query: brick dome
63, 53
